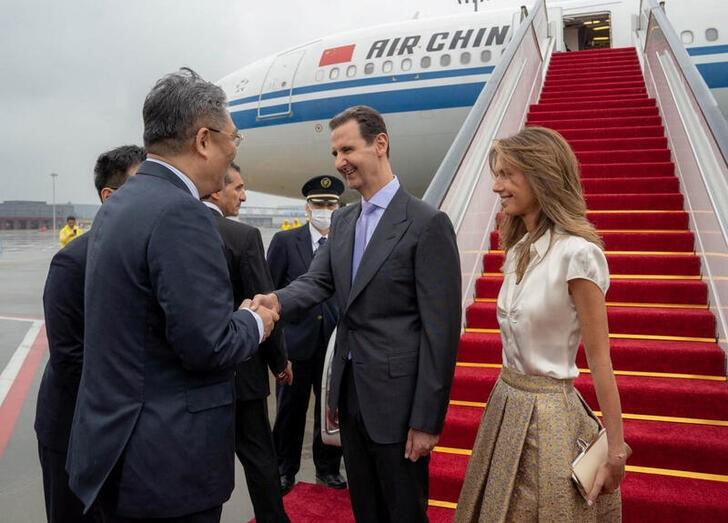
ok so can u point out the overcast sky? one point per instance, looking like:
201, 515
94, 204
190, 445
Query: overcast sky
74, 74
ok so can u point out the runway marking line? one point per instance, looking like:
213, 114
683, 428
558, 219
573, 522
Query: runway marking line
17, 377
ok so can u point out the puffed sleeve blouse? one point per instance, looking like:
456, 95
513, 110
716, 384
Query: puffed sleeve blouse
539, 328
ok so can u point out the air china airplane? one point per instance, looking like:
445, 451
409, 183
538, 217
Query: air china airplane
423, 75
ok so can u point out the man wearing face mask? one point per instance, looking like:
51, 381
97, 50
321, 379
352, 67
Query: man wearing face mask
289, 255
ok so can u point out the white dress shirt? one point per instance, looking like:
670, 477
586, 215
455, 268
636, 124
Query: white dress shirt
540, 331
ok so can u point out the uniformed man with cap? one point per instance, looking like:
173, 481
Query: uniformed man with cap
289, 255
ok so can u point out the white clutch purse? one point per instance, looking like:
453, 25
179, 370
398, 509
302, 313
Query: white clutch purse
584, 467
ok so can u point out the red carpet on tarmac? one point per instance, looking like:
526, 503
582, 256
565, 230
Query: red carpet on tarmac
670, 370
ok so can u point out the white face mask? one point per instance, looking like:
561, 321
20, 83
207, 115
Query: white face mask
321, 218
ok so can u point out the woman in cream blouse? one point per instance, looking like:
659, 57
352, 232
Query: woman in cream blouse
555, 279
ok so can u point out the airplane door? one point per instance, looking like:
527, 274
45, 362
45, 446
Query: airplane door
275, 95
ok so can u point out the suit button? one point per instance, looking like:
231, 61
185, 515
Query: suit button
319, 317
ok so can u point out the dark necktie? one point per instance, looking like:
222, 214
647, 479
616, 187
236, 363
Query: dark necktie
321, 242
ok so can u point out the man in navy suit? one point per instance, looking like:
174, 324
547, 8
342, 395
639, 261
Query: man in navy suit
392, 264
289, 255
249, 275
63, 308
153, 432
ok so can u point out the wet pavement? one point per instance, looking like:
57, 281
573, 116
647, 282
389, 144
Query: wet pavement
24, 260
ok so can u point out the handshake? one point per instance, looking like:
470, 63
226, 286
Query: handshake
267, 307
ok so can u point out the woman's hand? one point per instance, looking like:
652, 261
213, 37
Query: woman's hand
609, 477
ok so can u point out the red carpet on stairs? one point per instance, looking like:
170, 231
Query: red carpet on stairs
670, 370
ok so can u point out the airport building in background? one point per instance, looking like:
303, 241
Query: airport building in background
19, 215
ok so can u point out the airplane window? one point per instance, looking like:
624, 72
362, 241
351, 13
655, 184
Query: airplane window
485, 56
369, 68
425, 62
686, 37
711, 34
351, 71
387, 66
445, 60
319, 75
465, 58
334, 73
406, 64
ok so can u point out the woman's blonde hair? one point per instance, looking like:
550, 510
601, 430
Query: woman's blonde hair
552, 171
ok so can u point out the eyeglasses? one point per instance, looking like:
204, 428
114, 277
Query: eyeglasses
237, 136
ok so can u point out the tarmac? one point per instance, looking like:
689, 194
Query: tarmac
24, 260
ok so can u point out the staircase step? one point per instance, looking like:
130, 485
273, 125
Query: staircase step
676, 264
647, 202
683, 398
644, 355
558, 124
634, 220
627, 77
681, 446
662, 241
578, 114
589, 75
630, 321
645, 185
674, 292
599, 97
627, 169
645, 497
586, 66
637, 131
618, 144
602, 104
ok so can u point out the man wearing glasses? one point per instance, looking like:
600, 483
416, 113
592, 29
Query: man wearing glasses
153, 432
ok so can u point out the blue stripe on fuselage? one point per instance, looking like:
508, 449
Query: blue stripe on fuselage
708, 49
376, 80
715, 74
421, 99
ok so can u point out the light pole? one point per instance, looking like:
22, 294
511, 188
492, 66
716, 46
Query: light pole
53, 177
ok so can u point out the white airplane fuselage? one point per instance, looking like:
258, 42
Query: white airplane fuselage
422, 75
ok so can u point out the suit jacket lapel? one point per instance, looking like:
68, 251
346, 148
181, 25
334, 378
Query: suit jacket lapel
389, 230
341, 246
303, 246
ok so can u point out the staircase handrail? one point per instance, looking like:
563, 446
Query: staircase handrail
462, 184
698, 137
441, 182
708, 106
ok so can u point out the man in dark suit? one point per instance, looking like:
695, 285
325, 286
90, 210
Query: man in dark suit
289, 255
153, 432
249, 275
392, 263
63, 308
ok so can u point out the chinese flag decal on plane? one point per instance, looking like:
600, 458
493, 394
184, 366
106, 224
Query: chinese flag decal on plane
337, 55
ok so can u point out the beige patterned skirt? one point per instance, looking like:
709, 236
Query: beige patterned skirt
520, 469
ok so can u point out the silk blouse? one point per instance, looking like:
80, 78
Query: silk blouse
539, 327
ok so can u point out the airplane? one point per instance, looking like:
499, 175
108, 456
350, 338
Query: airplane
423, 75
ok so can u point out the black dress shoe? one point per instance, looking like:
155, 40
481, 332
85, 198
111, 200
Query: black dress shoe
287, 483
336, 481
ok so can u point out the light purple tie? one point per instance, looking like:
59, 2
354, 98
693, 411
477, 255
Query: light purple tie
360, 235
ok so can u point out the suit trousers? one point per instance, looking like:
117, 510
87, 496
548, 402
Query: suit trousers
290, 424
61, 503
384, 487
211, 515
255, 450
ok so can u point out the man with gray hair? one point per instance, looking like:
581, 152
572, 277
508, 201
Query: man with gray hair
153, 430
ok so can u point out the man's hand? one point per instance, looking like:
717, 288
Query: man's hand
269, 318
419, 444
285, 377
266, 300
333, 417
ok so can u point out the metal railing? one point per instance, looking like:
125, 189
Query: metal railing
698, 137
462, 185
